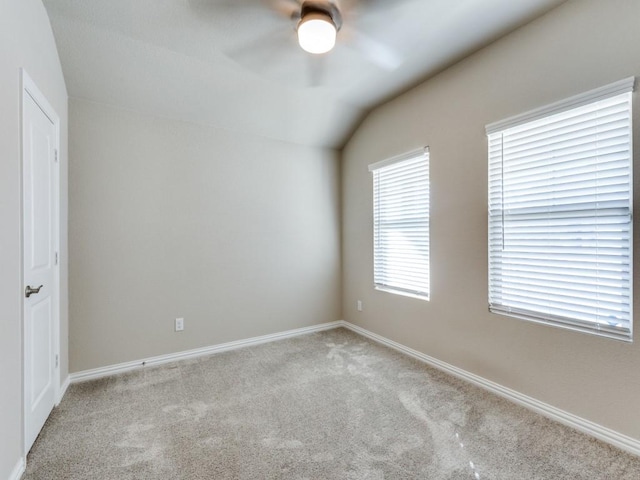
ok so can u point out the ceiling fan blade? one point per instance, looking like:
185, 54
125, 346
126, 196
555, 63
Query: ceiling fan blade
288, 8
354, 5
376, 52
274, 38
208, 7
284, 8
264, 51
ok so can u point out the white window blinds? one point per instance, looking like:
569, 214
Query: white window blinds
560, 214
401, 223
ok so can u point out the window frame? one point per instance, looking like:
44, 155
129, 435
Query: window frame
592, 97
381, 273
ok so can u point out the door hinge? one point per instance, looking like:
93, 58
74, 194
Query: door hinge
55, 156
57, 360
56, 258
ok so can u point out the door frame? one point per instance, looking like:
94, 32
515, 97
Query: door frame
29, 88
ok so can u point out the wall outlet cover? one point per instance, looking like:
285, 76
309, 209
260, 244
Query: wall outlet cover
179, 324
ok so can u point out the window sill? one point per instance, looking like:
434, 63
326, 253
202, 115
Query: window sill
623, 336
403, 293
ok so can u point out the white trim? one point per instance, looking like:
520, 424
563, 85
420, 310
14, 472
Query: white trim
28, 87
63, 390
18, 470
616, 88
624, 442
198, 352
395, 291
568, 324
418, 152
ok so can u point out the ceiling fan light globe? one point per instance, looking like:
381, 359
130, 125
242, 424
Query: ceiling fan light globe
316, 33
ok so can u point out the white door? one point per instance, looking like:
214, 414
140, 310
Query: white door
39, 217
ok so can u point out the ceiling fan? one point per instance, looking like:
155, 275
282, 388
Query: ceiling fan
317, 24
325, 30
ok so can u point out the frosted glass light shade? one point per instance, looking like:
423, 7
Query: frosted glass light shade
316, 33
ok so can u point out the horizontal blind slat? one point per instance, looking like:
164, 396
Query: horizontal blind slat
560, 217
401, 225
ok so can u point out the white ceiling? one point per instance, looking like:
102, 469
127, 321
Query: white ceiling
235, 64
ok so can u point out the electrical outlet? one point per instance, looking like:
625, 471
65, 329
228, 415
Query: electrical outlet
359, 305
179, 324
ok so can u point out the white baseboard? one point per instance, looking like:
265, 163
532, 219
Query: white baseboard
63, 389
198, 352
605, 434
18, 470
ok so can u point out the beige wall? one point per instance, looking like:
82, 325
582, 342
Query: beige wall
239, 235
577, 47
26, 41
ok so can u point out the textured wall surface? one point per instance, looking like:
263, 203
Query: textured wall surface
239, 235
577, 47
26, 41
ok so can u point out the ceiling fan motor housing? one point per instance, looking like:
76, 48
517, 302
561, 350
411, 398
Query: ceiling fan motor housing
326, 9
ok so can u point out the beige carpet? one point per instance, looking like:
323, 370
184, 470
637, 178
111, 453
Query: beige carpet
331, 405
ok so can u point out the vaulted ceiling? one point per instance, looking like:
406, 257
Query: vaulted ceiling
235, 64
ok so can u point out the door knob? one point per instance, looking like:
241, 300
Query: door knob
30, 290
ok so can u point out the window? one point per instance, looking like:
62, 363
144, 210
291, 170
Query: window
401, 224
560, 213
